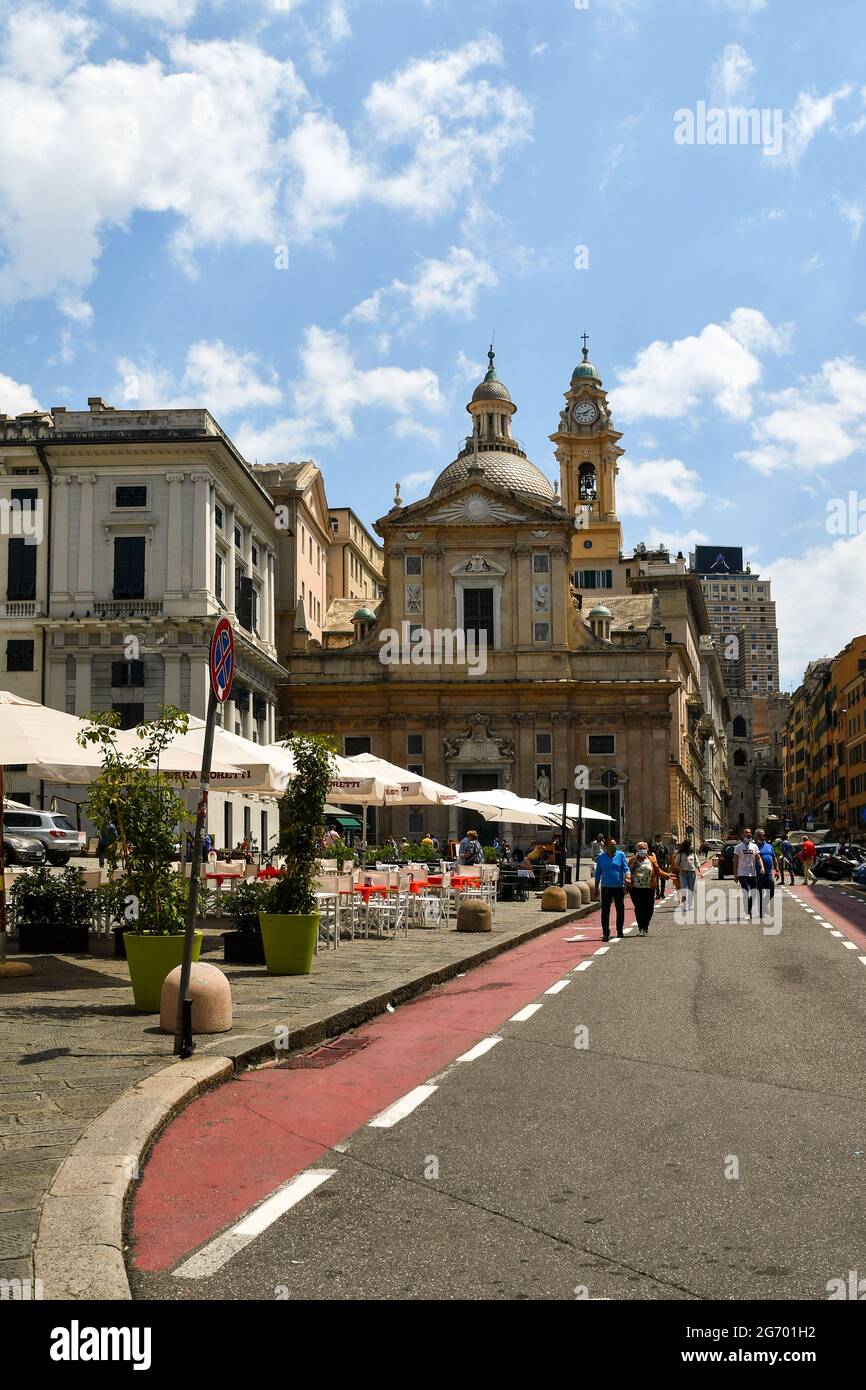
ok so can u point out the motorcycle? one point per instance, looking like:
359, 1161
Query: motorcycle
839, 866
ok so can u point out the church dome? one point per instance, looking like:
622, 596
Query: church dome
501, 466
491, 388
585, 369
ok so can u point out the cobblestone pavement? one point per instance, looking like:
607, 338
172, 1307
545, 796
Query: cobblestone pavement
71, 1041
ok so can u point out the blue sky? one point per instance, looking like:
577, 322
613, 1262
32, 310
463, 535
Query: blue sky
310, 215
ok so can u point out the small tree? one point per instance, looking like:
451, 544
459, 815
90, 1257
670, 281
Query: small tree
304, 807
137, 811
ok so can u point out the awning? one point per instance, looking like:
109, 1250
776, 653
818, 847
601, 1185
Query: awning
347, 822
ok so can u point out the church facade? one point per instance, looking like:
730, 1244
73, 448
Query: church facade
486, 663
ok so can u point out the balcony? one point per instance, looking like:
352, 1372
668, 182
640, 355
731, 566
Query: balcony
20, 608
128, 608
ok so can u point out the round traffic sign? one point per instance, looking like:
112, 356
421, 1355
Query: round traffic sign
609, 778
222, 660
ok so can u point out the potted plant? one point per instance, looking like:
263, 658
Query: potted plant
52, 911
244, 946
290, 926
137, 811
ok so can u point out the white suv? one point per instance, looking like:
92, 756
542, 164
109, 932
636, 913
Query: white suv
54, 831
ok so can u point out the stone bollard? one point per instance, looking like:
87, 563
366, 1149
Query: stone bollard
553, 899
573, 895
474, 915
585, 891
211, 997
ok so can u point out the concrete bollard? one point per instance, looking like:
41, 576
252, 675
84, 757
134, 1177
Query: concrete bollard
211, 997
553, 899
474, 915
585, 891
573, 895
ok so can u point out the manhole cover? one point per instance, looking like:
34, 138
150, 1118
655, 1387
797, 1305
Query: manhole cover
327, 1054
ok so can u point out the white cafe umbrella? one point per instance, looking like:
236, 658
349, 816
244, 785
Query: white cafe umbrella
414, 790
499, 804
238, 763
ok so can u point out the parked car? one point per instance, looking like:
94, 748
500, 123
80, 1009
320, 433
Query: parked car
859, 875
23, 849
57, 834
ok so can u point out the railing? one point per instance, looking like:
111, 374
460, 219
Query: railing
21, 609
489, 444
128, 608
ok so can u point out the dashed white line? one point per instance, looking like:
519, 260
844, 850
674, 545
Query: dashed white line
602, 951
207, 1261
850, 945
401, 1108
558, 987
479, 1049
525, 1013
862, 960
835, 933
584, 965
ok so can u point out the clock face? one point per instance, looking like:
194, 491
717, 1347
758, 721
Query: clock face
585, 412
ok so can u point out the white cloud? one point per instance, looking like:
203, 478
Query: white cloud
215, 376
853, 214
416, 485
174, 14
448, 286
644, 484
15, 397
731, 77
809, 116
819, 601
817, 424
197, 142
76, 309
719, 365
331, 388
42, 45
744, 6
408, 428
468, 370
676, 541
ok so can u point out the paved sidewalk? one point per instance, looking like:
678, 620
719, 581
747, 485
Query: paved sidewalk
71, 1042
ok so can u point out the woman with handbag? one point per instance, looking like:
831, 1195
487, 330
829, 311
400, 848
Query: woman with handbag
645, 878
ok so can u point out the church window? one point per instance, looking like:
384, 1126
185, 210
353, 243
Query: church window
413, 564
355, 744
543, 743
415, 744
478, 613
601, 743
541, 564
740, 758
587, 483
490, 424
541, 632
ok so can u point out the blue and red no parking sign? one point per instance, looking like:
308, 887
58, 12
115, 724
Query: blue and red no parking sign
222, 660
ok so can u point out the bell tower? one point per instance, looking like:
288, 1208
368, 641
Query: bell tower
587, 450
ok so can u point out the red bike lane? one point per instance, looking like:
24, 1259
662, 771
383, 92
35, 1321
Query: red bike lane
234, 1146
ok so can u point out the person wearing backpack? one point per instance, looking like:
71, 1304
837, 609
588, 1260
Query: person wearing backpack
469, 850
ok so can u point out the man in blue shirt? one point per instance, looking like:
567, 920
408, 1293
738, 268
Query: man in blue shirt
767, 873
611, 870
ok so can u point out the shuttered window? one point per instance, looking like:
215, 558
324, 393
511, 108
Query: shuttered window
21, 582
129, 566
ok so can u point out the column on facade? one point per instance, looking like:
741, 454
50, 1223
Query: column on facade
60, 576
229, 597
199, 685
267, 613
171, 679
559, 571
174, 542
562, 769
522, 593
524, 770
83, 683
84, 587
201, 534
56, 679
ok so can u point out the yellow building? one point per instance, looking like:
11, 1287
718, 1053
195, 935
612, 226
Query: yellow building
480, 667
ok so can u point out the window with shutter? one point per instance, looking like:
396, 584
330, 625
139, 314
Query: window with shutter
245, 601
19, 655
21, 581
128, 567
478, 612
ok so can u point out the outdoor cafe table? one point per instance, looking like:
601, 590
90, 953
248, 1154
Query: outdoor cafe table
220, 878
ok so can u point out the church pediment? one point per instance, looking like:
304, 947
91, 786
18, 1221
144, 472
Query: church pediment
476, 505
478, 565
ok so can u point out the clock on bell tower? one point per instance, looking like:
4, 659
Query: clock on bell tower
587, 450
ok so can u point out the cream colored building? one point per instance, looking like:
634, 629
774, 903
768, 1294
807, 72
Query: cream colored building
153, 527
355, 558
303, 535
479, 668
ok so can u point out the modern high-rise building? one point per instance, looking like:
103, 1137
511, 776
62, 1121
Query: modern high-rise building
742, 618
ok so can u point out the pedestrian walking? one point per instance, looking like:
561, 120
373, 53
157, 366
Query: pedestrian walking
597, 847
688, 871
662, 858
612, 872
784, 853
206, 846
746, 854
767, 873
808, 855
107, 836
469, 850
645, 878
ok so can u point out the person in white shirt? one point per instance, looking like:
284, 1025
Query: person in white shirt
746, 869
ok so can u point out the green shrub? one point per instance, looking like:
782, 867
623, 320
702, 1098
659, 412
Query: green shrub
246, 902
42, 898
303, 806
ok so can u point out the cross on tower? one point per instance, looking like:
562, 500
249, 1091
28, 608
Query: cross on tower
585, 337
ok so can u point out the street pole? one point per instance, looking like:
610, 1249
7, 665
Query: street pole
579, 830
7, 967
564, 832
183, 1043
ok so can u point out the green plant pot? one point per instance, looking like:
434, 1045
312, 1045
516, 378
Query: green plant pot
290, 941
150, 959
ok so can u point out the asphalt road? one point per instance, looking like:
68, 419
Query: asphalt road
706, 1142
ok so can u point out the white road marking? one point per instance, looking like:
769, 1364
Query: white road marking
835, 933
558, 987
602, 951
401, 1108
850, 945
218, 1252
574, 938
862, 960
523, 1014
479, 1049
584, 965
